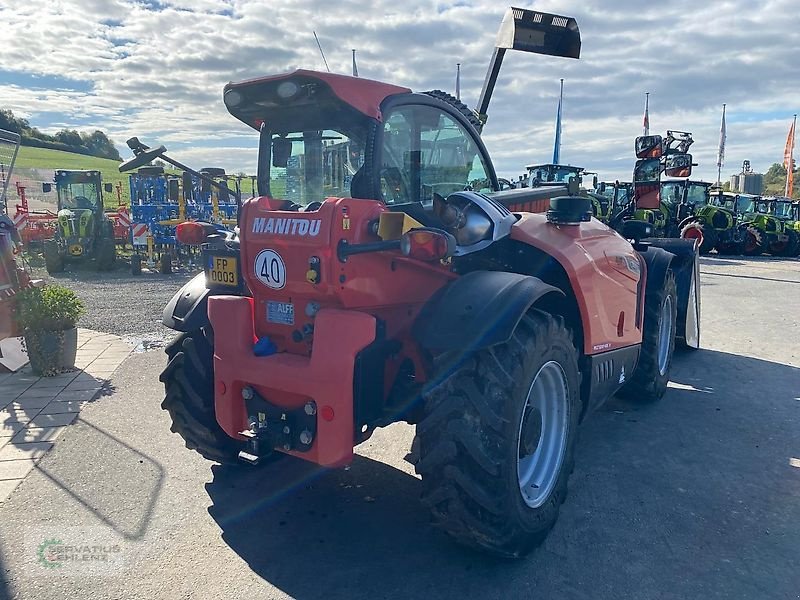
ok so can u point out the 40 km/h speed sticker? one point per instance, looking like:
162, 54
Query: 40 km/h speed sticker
270, 269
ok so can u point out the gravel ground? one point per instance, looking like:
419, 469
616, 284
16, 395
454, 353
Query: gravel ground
119, 303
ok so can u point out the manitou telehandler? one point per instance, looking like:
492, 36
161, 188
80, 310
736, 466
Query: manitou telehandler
398, 296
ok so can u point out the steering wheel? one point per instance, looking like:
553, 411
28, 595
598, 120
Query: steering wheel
82, 202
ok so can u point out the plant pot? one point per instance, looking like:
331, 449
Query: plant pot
52, 352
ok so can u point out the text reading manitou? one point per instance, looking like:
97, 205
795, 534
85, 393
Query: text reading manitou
280, 226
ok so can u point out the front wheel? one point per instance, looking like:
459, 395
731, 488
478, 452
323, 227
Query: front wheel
53, 259
705, 235
189, 385
649, 381
496, 445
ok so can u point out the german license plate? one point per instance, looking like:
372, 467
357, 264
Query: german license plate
222, 270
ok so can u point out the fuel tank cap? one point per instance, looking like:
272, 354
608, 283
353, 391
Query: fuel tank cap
569, 210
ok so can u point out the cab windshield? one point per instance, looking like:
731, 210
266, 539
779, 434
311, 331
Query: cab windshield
78, 195
697, 195
783, 210
553, 174
309, 166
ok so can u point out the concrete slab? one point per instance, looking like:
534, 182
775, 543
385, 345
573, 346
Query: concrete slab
15, 469
38, 434
7, 487
32, 450
53, 420
55, 408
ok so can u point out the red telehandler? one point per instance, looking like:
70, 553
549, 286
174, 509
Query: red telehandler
379, 276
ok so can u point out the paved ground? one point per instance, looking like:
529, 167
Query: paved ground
697, 496
35, 411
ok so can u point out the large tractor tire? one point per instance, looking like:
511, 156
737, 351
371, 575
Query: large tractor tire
53, 260
753, 242
649, 380
136, 264
789, 247
106, 254
189, 385
700, 231
496, 445
165, 263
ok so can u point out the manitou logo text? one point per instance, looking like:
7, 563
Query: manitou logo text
308, 227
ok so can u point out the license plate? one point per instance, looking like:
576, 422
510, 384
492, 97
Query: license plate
222, 270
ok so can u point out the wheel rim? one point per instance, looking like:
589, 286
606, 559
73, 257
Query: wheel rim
665, 333
542, 436
693, 233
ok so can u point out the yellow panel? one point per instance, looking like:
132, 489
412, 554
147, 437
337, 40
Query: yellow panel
392, 225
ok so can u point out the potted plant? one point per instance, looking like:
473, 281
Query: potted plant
48, 316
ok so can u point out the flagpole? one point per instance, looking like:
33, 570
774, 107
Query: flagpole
458, 81
721, 155
647, 113
788, 189
355, 66
557, 142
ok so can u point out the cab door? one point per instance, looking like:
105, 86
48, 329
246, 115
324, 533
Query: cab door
428, 147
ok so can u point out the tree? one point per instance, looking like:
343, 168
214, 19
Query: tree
70, 137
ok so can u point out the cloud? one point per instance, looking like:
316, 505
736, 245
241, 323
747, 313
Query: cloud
155, 69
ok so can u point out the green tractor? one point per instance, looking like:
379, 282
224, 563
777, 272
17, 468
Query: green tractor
610, 198
83, 231
561, 175
779, 232
721, 224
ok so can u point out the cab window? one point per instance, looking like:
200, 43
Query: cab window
426, 151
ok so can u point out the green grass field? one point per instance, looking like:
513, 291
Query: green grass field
43, 158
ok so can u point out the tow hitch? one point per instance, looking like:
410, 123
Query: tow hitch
274, 427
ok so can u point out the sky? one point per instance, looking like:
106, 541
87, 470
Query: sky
155, 69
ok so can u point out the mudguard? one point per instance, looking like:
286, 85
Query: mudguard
478, 310
685, 264
188, 309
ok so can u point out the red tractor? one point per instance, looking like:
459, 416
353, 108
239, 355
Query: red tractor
380, 277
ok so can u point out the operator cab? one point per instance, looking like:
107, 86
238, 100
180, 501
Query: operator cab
404, 149
79, 190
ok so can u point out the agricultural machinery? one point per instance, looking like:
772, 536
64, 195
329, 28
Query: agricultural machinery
83, 230
380, 290
775, 231
160, 202
723, 224
611, 198
12, 277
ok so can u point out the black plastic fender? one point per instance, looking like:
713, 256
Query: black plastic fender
685, 264
479, 310
188, 309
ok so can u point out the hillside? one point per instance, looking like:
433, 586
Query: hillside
50, 160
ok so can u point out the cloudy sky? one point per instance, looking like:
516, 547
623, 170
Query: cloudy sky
155, 69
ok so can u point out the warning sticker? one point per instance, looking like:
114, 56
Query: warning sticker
280, 312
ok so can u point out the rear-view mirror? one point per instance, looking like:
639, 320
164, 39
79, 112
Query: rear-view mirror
108, 187
678, 165
649, 146
647, 170
47, 188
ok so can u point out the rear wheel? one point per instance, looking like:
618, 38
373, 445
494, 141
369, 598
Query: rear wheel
53, 260
649, 381
165, 264
753, 241
189, 384
700, 231
106, 254
136, 264
496, 446
787, 247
